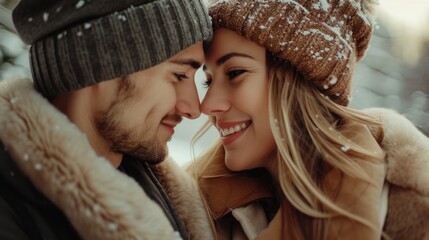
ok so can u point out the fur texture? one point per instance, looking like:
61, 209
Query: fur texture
408, 175
181, 186
100, 202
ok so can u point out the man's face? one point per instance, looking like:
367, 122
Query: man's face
144, 107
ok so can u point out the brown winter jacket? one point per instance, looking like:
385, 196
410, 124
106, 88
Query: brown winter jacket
97, 199
235, 200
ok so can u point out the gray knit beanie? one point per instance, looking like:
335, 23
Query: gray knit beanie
78, 43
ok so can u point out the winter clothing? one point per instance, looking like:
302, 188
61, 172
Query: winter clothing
123, 36
25, 213
398, 201
322, 39
97, 200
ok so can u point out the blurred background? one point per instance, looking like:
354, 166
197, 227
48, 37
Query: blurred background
394, 73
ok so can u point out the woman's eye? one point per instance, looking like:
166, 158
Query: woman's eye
235, 73
180, 77
207, 83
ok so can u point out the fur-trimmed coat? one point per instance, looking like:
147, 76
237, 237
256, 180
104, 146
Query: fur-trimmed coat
99, 201
397, 202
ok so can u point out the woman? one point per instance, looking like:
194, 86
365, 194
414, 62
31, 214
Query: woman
293, 161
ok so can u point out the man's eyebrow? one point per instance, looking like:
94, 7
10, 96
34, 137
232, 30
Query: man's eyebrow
226, 57
191, 62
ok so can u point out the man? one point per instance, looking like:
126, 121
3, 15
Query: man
112, 79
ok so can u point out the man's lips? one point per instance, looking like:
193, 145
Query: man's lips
171, 121
169, 125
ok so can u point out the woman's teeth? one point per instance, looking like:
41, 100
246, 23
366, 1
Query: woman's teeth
228, 131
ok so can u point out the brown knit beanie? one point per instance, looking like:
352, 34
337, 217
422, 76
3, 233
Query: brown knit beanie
323, 39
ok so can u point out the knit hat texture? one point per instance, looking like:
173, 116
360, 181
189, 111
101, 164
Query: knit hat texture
323, 39
78, 43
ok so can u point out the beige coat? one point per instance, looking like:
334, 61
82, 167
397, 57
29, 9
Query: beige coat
398, 203
100, 202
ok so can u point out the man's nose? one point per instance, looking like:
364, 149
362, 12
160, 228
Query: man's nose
188, 103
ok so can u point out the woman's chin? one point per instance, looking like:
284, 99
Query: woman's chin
233, 165
237, 163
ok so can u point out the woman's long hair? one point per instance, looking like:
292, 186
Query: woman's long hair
309, 131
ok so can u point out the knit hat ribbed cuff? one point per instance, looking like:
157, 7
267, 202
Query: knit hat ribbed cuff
116, 45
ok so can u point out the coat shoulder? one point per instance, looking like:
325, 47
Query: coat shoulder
407, 151
407, 157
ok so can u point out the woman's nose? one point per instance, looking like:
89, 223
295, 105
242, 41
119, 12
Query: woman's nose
215, 102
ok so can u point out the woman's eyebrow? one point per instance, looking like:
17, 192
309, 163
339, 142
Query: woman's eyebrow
228, 56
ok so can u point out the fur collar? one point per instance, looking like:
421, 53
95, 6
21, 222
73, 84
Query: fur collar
100, 202
407, 151
407, 160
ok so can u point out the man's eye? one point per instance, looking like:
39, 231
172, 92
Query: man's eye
235, 73
180, 77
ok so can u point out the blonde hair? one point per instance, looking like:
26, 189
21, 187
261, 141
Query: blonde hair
308, 129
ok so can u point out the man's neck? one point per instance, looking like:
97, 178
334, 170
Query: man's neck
78, 107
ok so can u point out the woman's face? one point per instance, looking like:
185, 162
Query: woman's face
237, 100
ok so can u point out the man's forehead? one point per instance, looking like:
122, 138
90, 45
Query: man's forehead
194, 52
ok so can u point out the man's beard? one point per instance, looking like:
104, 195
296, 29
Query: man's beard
143, 144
